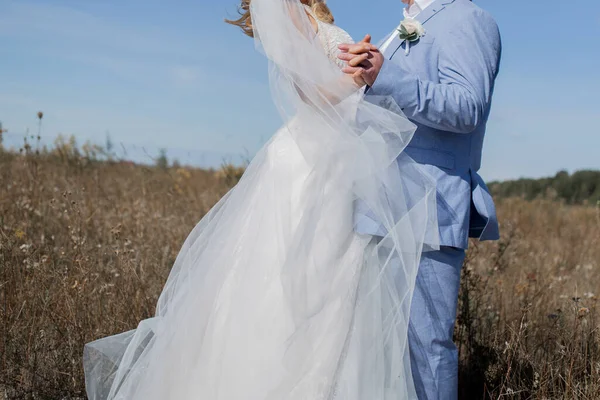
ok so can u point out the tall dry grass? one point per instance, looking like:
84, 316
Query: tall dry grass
84, 251
85, 248
528, 319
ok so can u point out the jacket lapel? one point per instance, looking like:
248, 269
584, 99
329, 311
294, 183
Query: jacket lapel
436, 7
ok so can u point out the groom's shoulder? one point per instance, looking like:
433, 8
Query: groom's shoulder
467, 10
464, 13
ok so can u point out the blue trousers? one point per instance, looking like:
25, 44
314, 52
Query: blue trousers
433, 354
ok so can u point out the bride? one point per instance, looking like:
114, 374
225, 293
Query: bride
274, 295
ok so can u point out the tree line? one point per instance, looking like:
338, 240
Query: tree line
581, 187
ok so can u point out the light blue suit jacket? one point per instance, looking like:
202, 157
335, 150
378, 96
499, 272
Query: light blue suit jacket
445, 85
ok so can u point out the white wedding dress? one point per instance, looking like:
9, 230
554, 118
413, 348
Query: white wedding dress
274, 295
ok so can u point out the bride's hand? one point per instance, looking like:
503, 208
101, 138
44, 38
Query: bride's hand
364, 61
356, 78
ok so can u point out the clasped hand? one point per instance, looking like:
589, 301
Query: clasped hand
364, 61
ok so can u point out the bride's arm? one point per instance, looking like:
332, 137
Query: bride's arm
336, 91
346, 83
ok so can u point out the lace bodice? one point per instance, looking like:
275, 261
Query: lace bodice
331, 36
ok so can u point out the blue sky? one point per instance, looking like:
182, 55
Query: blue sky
171, 74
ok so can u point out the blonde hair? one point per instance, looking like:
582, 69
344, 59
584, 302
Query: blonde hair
322, 12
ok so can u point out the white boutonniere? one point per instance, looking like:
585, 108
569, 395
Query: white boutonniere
410, 30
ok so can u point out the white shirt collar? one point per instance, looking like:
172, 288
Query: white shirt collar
409, 12
416, 8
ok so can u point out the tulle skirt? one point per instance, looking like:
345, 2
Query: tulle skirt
275, 296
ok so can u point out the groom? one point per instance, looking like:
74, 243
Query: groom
442, 77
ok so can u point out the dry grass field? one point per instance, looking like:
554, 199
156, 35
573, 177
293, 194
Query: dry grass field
85, 248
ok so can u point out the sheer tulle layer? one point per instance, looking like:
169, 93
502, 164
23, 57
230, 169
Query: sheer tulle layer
274, 295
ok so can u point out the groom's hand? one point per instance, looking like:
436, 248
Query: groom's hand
364, 61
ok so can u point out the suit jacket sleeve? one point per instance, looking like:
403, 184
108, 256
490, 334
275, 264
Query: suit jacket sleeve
469, 57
